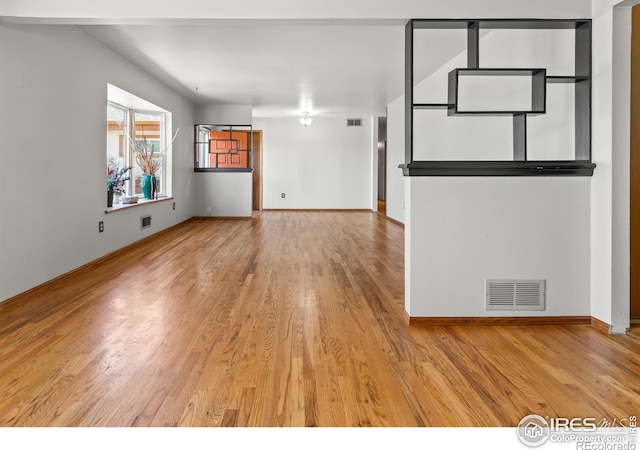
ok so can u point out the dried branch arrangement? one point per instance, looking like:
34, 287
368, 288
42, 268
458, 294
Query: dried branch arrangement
147, 157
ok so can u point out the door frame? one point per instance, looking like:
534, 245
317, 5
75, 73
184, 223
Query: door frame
256, 146
634, 161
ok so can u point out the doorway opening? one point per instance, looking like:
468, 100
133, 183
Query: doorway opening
256, 136
382, 165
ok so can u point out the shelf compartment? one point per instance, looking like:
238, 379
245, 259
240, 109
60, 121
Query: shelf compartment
536, 91
438, 137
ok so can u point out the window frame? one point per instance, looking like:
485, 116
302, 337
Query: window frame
203, 148
164, 188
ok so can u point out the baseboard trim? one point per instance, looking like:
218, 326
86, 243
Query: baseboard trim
397, 222
482, 321
47, 285
316, 210
600, 326
224, 217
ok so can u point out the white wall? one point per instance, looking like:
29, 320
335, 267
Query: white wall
223, 194
601, 237
610, 183
223, 114
52, 142
324, 166
460, 231
463, 230
609, 223
395, 156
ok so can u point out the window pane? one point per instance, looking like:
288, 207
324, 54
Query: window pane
203, 142
116, 124
148, 136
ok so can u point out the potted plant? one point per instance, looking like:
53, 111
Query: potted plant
116, 179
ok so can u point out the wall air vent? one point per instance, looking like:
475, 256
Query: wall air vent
354, 122
145, 222
515, 295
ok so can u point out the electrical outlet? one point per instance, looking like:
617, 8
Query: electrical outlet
100, 226
174, 205
282, 195
208, 209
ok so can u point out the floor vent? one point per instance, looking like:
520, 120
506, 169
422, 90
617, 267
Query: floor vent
515, 295
354, 122
145, 222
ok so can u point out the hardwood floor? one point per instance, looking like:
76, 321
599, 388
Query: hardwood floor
288, 319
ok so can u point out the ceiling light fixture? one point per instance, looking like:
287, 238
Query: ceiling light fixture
306, 120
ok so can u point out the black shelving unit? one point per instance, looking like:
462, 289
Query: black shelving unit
520, 165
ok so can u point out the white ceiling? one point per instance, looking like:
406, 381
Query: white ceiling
282, 69
280, 56
279, 69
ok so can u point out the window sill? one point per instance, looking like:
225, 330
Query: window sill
119, 206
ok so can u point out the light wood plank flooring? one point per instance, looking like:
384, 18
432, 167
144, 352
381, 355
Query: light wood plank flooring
288, 319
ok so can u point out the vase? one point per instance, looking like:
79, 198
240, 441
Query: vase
109, 199
148, 184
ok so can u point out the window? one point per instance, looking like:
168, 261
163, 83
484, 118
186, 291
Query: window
131, 119
223, 148
148, 127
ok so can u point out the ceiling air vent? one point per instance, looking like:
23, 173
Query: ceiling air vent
515, 295
354, 122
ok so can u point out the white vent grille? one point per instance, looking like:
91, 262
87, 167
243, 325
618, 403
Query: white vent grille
354, 122
515, 295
